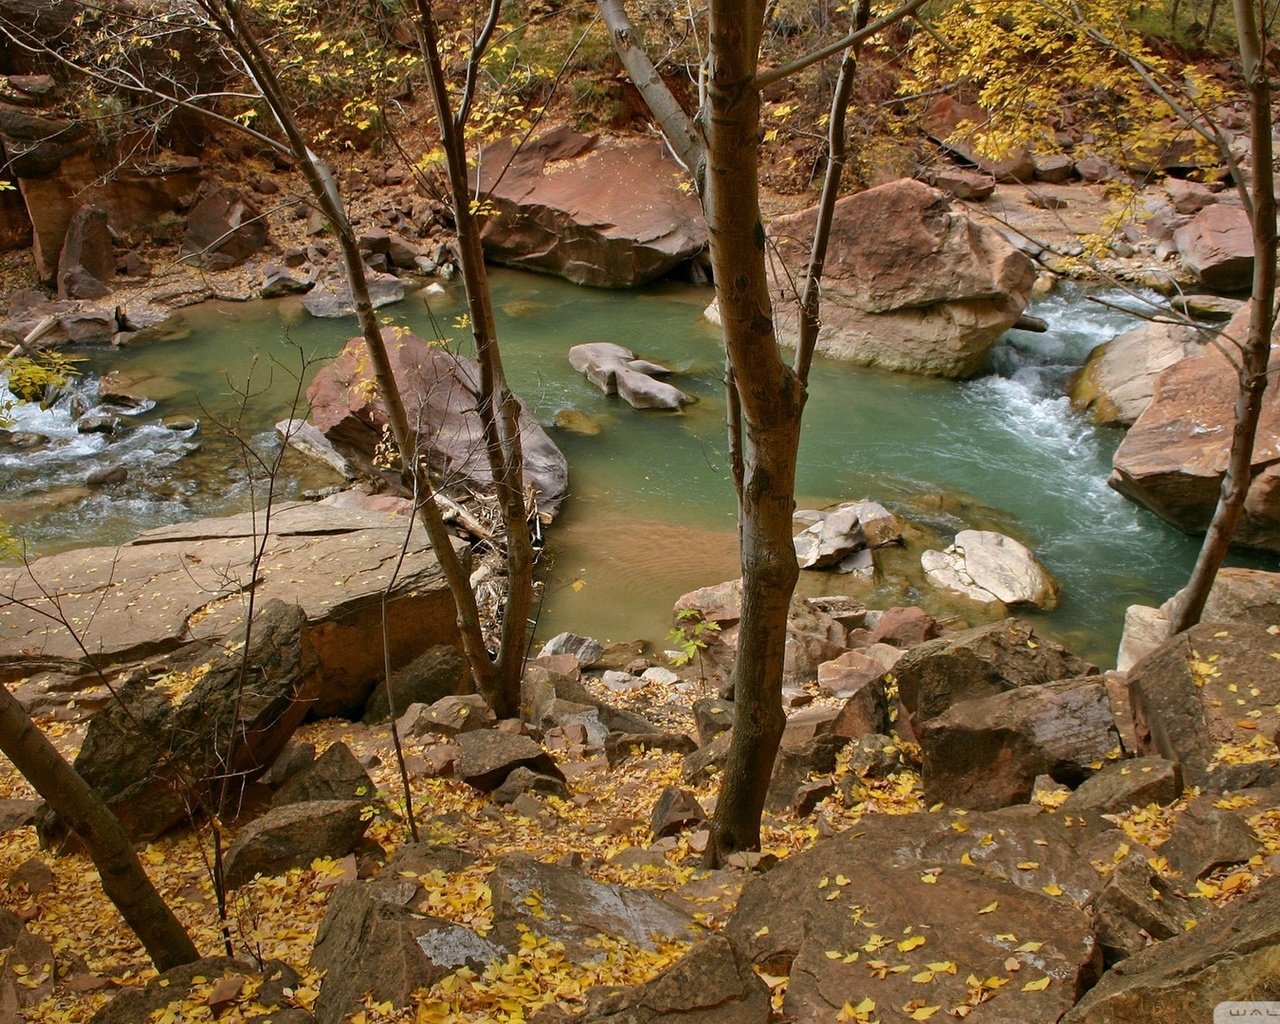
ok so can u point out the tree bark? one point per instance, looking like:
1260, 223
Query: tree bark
226, 17
770, 399
499, 409
123, 880
1255, 350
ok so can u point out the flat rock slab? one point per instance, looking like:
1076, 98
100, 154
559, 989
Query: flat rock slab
854, 919
569, 907
188, 582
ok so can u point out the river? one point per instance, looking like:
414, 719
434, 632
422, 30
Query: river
650, 514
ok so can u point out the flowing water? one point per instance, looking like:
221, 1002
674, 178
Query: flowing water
650, 514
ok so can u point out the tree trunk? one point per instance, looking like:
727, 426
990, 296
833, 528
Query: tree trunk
227, 19
499, 409
770, 399
123, 880
1255, 350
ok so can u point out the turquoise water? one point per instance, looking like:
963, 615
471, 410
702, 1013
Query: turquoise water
650, 514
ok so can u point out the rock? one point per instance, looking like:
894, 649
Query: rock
278, 282
1212, 308
28, 970
16, 812
1244, 595
711, 717
676, 811
985, 753
549, 699
568, 907
1117, 381
335, 775
618, 746
959, 129
293, 836
330, 295
1053, 168
596, 210
455, 714
433, 675
177, 585
796, 763
989, 567
487, 757
137, 750
586, 650
292, 759
1131, 783
86, 263
909, 284
705, 762
962, 183
788, 921
1217, 246
1173, 458
107, 476
711, 984
1230, 956
440, 390
1204, 839
223, 229
903, 627
1096, 168
371, 942
855, 671
166, 991
828, 542
1189, 197
980, 662
616, 371
1194, 702
523, 781
1135, 908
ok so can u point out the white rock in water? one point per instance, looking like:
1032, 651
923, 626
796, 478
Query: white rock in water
987, 567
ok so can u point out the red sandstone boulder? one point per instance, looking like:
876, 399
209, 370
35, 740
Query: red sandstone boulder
1173, 458
1217, 246
909, 285
440, 392
609, 212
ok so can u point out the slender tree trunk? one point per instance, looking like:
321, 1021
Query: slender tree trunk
227, 18
499, 408
123, 880
1255, 350
771, 399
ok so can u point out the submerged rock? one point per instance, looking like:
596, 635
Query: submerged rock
616, 371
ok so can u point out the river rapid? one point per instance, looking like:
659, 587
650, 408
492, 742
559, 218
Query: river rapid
650, 514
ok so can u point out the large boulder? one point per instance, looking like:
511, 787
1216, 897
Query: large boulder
86, 263
873, 915
959, 128
293, 836
1117, 380
980, 662
596, 210
712, 984
165, 750
1217, 246
223, 230
1207, 699
909, 284
616, 371
987, 753
330, 296
374, 941
441, 391
569, 907
184, 584
1173, 458
989, 567
1223, 968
